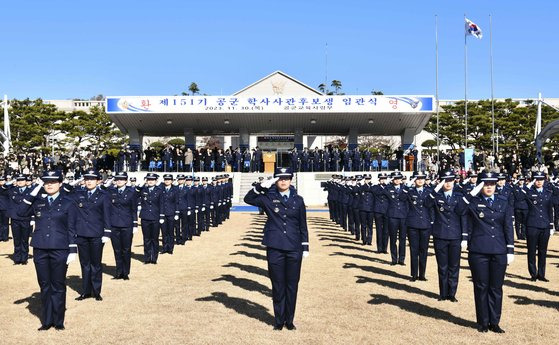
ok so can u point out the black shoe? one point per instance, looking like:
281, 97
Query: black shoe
423, 279
98, 298
452, 299
496, 329
59, 328
154, 262
278, 327
385, 251
543, 279
125, 277
290, 326
82, 297
146, 262
533, 279
24, 262
441, 299
413, 279
393, 264
44, 328
118, 276
401, 263
482, 329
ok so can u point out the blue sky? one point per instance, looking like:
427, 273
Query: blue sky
77, 49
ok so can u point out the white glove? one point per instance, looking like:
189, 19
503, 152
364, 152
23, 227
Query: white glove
32, 223
36, 190
139, 209
188, 213
71, 258
510, 258
269, 183
75, 182
211, 207
134, 229
530, 184
109, 182
218, 204
551, 232
196, 211
477, 189
176, 217
203, 209
105, 239
161, 221
439, 186
305, 254
466, 181
464, 244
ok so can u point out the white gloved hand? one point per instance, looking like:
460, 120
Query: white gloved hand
203, 209
218, 204
161, 221
71, 258
477, 189
139, 209
105, 239
211, 207
75, 182
464, 244
551, 232
439, 186
36, 190
196, 211
510, 258
32, 223
466, 181
305, 254
529, 185
134, 229
188, 213
176, 217
269, 183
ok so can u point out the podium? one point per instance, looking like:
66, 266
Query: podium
409, 162
269, 162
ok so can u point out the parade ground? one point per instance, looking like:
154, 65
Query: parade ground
215, 290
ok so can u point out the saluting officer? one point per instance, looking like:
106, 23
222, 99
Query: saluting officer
286, 239
93, 229
490, 249
380, 209
150, 204
366, 206
419, 222
21, 226
124, 223
170, 214
397, 213
448, 229
540, 201
53, 243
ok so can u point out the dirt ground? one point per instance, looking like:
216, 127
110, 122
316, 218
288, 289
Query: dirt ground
215, 290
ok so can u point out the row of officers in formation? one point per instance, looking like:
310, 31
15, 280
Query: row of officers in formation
70, 218
480, 214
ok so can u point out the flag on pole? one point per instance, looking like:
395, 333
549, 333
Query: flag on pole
473, 29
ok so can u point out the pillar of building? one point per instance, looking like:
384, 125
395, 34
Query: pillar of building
298, 139
352, 138
136, 139
244, 139
189, 138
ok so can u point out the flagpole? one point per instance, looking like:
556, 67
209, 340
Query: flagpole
465, 85
492, 96
437, 87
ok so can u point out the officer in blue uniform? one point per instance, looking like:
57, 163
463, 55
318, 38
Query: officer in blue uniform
520, 208
490, 248
397, 213
200, 206
170, 214
53, 243
181, 225
93, 229
150, 204
503, 188
419, 221
206, 192
448, 228
190, 208
366, 206
286, 239
540, 201
21, 226
124, 223
355, 196
380, 210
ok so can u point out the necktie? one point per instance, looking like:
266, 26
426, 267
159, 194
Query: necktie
490, 201
285, 198
20, 190
50, 200
120, 191
448, 198
89, 195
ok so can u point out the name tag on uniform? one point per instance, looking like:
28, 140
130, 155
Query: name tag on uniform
481, 205
276, 201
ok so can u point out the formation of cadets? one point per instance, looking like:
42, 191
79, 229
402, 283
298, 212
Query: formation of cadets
71, 218
479, 213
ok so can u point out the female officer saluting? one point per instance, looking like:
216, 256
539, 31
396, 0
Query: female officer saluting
490, 248
53, 245
286, 238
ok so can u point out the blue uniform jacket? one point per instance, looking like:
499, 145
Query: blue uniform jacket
492, 226
540, 207
124, 207
93, 215
367, 200
449, 222
169, 200
419, 215
286, 226
15, 199
397, 202
151, 203
381, 200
